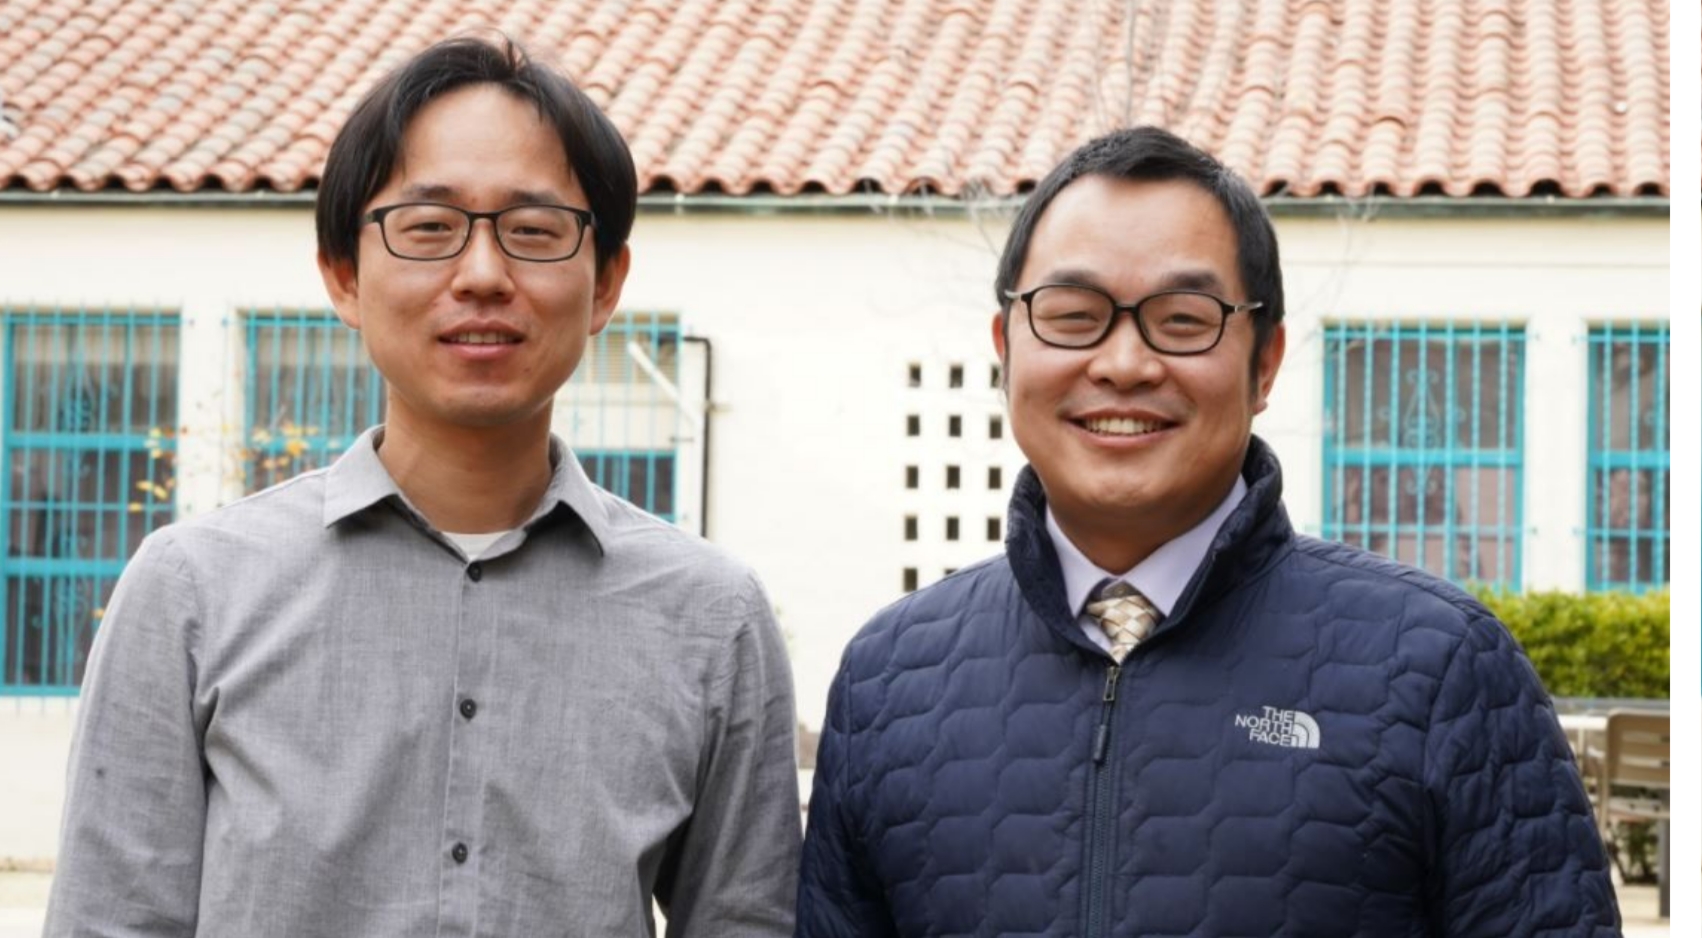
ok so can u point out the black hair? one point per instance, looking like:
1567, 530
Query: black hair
1152, 154
364, 155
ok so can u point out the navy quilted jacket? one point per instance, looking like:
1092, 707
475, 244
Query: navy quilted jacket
1315, 742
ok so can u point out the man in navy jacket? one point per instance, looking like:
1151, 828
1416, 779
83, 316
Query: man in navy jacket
1162, 712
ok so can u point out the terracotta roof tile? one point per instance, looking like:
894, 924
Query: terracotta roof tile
891, 96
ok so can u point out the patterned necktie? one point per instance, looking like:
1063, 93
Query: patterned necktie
1126, 616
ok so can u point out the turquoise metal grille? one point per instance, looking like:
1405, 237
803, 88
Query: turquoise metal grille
644, 478
88, 439
1424, 445
1629, 496
309, 390
620, 419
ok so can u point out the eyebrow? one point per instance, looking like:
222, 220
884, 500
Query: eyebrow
437, 192
1193, 280
1198, 279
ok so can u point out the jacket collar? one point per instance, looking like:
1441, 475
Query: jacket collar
1254, 535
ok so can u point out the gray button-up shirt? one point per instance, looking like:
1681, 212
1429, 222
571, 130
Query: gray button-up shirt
307, 714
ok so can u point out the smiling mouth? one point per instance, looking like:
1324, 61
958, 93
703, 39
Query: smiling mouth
482, 338
1122, 426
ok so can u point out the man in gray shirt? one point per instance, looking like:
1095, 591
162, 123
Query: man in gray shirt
446, 686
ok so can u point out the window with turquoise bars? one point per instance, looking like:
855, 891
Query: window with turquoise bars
1424, 445
310, 389
619, 416
88, 439
1629, 498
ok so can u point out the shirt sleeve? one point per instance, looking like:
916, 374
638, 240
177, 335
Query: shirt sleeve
838, 896
1517, 851
734, 871
135, 808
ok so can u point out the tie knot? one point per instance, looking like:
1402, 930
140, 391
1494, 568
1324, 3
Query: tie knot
1114, 589
1127, 617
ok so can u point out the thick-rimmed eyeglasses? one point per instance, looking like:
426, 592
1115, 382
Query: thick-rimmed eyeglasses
1173, 322
432, 231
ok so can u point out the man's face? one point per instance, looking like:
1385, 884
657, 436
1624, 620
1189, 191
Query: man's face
1119, 434
480, 339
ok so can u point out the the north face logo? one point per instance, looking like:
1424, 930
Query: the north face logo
1290, 729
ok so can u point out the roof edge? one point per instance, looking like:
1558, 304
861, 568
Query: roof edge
1428, 206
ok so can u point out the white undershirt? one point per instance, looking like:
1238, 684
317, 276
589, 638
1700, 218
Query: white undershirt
474, 545
1161, 577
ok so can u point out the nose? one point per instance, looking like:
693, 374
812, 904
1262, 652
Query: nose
481, 270
1123, 359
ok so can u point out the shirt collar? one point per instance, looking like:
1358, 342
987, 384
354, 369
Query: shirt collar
1162, 576
358, 480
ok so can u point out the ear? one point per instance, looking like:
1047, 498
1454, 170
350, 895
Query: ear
607, 296
999, 332
1270, 360
343, 286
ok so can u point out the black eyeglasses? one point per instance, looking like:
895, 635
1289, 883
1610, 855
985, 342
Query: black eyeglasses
432, 231
1172, 322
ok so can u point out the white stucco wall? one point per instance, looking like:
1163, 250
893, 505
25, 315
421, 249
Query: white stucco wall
815, 322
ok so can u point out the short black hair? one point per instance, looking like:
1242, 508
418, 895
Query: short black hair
1156, 155
365, 153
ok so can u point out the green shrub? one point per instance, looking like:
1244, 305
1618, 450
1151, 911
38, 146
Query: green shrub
1595, 645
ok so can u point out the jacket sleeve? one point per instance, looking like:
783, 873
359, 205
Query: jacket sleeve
733, 873
838, 894
135, 807
1516, 848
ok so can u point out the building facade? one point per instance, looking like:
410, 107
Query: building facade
1484, 395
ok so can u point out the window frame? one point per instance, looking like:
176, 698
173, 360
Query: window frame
1471, 338
64, 645
1603, 457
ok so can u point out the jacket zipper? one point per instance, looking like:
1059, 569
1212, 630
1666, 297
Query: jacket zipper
1099, 813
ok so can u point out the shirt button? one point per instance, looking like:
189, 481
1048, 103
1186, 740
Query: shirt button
475, 572
458, 853
468, 708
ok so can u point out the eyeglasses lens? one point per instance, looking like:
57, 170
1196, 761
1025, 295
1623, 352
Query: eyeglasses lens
529, 232
1076, 317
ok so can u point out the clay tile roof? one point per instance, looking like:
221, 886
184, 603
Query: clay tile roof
953, 97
